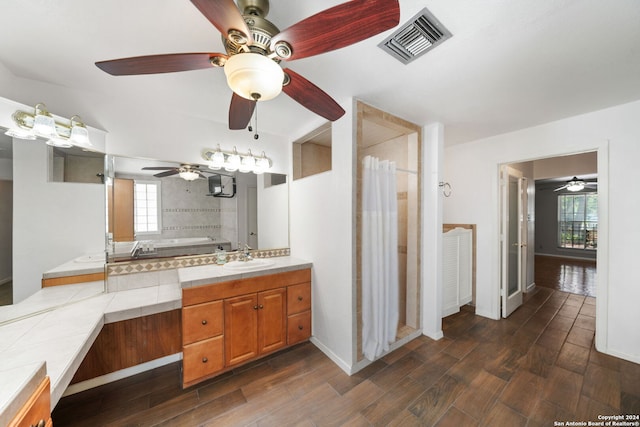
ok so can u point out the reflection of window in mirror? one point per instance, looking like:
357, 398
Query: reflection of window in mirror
312, 153
147, 207
75, 165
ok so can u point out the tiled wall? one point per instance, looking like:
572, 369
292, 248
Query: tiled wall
187, 210
122, 276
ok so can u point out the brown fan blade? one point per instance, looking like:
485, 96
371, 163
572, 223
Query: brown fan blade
167, 173
312, 97
155, 64
240, 112
224, 15
339, 26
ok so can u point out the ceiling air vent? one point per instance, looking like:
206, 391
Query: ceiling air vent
422, 33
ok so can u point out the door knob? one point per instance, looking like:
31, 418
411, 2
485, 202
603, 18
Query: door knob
205, 360
299, 298
204, 321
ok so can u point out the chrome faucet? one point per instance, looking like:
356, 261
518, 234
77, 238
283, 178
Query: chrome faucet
245, 253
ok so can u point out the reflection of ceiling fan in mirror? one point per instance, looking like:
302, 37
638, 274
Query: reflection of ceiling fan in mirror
186, 172
575, 184
254, 48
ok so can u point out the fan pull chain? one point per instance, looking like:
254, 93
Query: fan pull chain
250, 128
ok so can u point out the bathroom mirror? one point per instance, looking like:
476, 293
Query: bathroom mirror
48, 229
154, 212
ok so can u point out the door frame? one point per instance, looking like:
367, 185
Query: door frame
601, 147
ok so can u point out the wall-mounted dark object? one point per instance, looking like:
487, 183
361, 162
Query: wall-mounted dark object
221, 185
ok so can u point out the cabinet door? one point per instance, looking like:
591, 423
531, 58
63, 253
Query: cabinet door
272, 319
240, 328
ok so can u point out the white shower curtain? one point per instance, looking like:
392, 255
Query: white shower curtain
379, 256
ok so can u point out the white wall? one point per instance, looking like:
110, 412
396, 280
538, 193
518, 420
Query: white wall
273, 214
322, 227
614, 133
52, 222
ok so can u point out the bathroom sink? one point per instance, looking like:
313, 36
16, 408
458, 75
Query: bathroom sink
254, 264
99, 257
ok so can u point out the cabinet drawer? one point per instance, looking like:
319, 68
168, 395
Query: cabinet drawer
202, 321
202, 358
36, 409
298, 327
298, 298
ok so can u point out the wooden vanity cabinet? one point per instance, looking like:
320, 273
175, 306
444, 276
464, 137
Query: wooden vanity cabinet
230, 323
37, 410
254, 325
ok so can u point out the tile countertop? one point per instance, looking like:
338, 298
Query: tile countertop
208, 274
50, 332
66, 322
87, 264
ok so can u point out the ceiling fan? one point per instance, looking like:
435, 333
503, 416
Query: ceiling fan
255, 47
186, 172
575, 184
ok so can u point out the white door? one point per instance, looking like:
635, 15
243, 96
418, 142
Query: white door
512, 218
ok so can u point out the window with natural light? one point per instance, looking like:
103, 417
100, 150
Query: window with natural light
578, 221
147, 207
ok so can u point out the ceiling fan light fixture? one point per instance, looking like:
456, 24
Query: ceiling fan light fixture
254, 76
188, 174
575, 186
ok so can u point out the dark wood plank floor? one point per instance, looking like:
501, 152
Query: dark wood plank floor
534, 368
566, 274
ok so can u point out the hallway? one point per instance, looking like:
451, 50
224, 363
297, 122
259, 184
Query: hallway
566, 274
538, 366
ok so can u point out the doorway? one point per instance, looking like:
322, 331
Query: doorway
545, 257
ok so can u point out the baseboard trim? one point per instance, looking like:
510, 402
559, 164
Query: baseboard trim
331, 355
123, 373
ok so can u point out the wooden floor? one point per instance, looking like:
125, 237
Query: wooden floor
534, 368
566, 274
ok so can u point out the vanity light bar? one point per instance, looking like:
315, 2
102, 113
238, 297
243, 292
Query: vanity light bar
41, 123
232, 161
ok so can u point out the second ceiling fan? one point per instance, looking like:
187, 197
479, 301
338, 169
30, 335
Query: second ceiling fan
255, 47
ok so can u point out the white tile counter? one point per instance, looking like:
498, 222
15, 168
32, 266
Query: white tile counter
55, 340
50, 332
87, 264
208, 274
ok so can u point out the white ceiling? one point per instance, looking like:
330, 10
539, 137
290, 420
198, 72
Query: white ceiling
510, 63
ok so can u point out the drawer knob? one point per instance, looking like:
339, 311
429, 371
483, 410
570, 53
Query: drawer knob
261, 306
255, 307
299, 298
204, 322
300, 327
205, 360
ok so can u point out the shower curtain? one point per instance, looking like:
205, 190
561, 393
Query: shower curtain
379, 256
